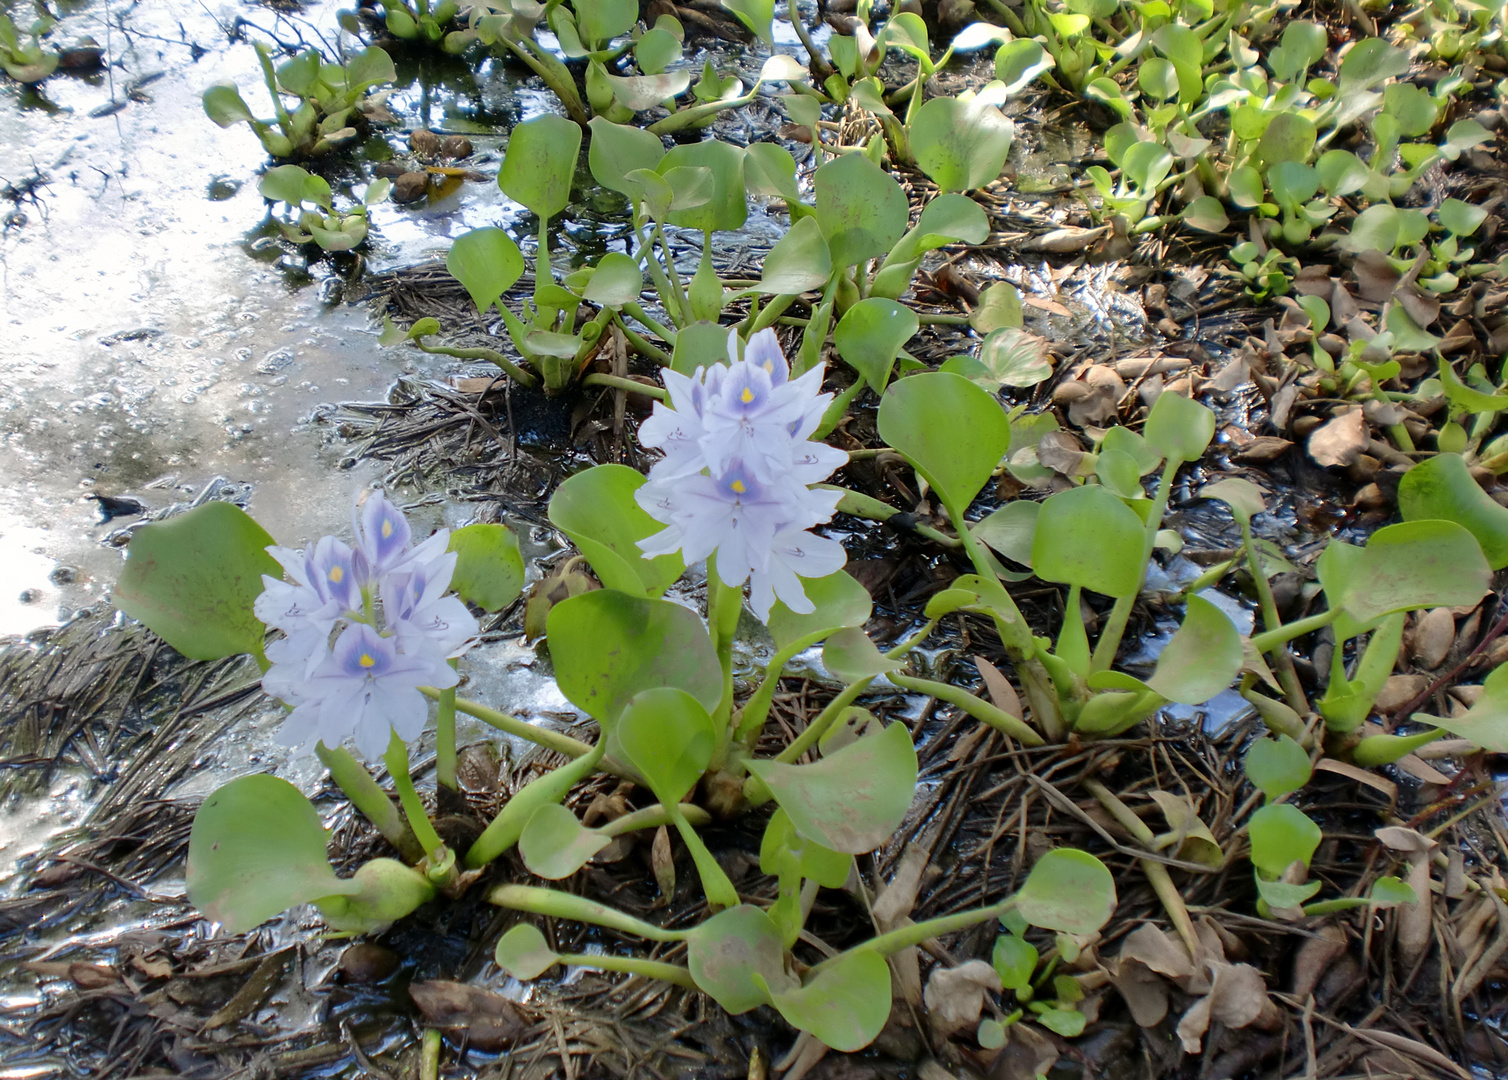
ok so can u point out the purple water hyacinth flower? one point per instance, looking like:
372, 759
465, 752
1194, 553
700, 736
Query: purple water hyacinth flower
734, 479
364, 684
366, 688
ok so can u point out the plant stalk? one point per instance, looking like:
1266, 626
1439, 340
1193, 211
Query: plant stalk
352, 777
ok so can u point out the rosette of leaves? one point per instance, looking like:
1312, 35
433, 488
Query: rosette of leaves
426, 22
328, 95
21, 53
315, 220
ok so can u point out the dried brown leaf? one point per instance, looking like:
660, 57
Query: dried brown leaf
955, 996
1340, 440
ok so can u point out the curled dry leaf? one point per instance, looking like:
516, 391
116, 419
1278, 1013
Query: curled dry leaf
1237, 998
955, 996
1314, 958
1099, 406
1433, 636
1340, 440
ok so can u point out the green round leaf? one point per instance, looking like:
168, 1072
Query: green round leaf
1281, 835
1069, 891
1289, 137
555, 845
1157, 78
194, 578
1179, 427
1087, 537
1010, 529
961, 145
861, 209
825, 866
1278, 766
799, 261
846, 1003
1202, 658
616, 280
1014, 960
1416, 564
999, 305
1442, 487
1018, 62
851, 656
618, 150
840, 601
852, 800
870, 336
922, 415
523, 952
489, 569
699, 344
1206, 214
256, 849
224, 105
728, 206
668, 736
597, 510
540, 162
726, 952
486, 262
608, 646
1341, 172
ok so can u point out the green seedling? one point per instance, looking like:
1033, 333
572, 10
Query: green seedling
22, 55
328, 95
314, 217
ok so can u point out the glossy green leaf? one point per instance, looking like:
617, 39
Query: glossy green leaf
799, 261
1442, 487
845, 1005
1282, 834
616, 280
961, 145
381, 892
1369, 62
599, 21
1460, 218
851, 656
946, 219
523, 952
1277, 767
668, 737
656, 50
1179, 427
597, 510
1069, 891
1146, 165
489, 568
555, 845
540, 162
256, 849
1341, 172
728, 206
850, 801
618, 150
757, 15
999, 306
639, 92
699, 344
1203, 657
840, 601
1086, 536
1242, 496
725, 953
1206, 214
861, 209
870, 336
1282, 894
608, 646
224, 105
1018, 62
921, 416
1010, 530
823, 865
194, 578
1486, 722
1014, 960
1289, 137
486, 262
1416, 564
769, 170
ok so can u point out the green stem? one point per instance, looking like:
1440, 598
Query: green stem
1287, 676
673, 278
905, 937
719, 890
618, 382
632, 965
1284, 634
396, 760
652, 817
445, 739
352, 777
978, 708
1157, 874
548, 789
773, 310
429, 1055
838, 409
555, 74
637, 311
519, 374
1115, 626
550, 740
564, 905
645, 347
724, 604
